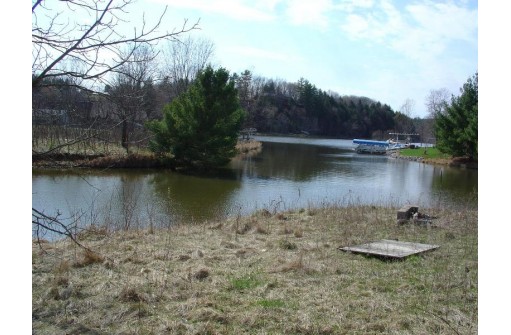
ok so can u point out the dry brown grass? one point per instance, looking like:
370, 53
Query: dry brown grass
210, 279
116, 157
89, 257
249, 147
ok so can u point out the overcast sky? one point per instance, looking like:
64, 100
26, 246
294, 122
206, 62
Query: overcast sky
386, 50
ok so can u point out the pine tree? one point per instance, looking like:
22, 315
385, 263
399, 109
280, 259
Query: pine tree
456, 128
200, 127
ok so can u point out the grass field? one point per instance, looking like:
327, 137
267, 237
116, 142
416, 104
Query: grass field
426, 153
268, 273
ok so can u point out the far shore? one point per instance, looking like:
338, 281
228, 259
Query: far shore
144, 159
137, 158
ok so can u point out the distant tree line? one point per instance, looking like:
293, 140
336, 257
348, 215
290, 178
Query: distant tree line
272, 106
277, 106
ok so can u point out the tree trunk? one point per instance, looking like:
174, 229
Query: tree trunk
125, 136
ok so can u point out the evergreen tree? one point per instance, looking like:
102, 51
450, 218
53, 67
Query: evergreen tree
200, 127
456, 128
243, 85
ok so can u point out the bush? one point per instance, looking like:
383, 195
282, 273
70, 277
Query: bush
200, 127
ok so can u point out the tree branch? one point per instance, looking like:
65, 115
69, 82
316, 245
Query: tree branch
54, 225
56, 45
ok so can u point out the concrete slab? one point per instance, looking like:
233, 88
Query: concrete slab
390, 248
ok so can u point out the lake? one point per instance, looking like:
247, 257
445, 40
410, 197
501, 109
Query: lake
289, 173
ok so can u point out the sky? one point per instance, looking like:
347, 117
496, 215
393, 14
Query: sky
389, 51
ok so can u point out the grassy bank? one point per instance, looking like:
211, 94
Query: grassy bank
434, 156
426, 153
269, 273
118, 158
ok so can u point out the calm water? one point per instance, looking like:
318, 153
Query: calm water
289, 173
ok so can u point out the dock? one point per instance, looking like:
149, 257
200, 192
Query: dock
390, 248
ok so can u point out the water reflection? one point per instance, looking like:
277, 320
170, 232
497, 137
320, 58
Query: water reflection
194, 197
285, 161
461, 183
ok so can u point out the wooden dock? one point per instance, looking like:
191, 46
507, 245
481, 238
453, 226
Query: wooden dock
390, 248
247, 133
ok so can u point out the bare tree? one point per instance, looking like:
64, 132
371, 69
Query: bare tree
407, 107
132, 90
84, 44
257, 84
184, 59
403, 118
436, 102
63, 46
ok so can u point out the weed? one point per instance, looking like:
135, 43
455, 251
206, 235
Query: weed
297, 265
271, 303
415, 260
298, 233
201, 274
246, 282
89, 257
130, 294
287, 245
260, 229
281, 216
93, 232
62, 267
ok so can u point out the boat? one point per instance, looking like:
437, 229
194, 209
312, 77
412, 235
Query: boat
383, 147
376, 147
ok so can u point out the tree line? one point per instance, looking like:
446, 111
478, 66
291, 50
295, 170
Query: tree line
272, 106
277, 106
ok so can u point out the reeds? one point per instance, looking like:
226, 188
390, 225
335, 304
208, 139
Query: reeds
249, 147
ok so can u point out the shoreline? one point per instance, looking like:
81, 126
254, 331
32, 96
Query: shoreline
134, 160
457, 162
141, 160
